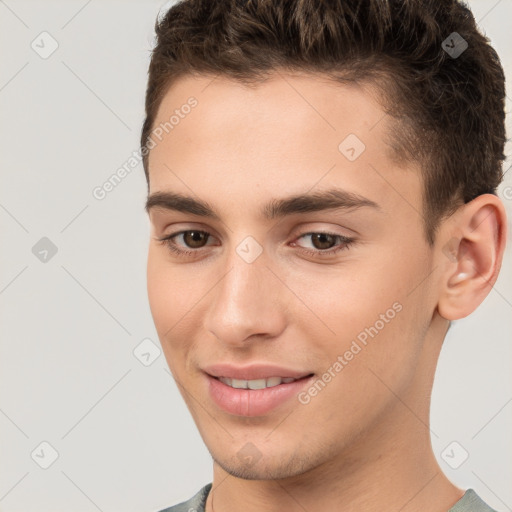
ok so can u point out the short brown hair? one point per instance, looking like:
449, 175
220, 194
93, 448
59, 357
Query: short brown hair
449, 112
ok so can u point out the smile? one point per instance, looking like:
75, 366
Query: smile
255, 397
256, 383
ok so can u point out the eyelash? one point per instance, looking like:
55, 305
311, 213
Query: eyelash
346, 243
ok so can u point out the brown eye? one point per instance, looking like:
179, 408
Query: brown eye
195, 239
186, 243
324, 244
322, 241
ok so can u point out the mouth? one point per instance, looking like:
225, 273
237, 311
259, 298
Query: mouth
254, 391
258, 383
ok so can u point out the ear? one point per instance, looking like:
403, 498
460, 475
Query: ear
470, 253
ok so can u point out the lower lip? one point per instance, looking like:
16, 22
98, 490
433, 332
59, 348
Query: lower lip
253, 402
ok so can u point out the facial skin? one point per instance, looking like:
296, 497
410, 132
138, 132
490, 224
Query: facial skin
363, 441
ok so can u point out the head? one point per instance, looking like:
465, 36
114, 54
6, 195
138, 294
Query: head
340, 170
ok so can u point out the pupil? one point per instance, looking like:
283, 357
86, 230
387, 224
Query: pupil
323, 236
196, 236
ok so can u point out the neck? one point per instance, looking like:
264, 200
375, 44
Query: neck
390, 466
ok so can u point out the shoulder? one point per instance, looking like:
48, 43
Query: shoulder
194, 504
471, 502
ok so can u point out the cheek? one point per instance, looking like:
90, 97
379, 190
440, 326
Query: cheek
171, 289
175, 294
367, 303
343, 301
168, 296
158, 293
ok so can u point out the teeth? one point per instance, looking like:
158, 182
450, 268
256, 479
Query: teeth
274, 381
238, 384
256, 383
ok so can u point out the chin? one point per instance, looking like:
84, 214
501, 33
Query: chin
274, 467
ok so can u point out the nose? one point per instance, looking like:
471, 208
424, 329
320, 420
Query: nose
248, 303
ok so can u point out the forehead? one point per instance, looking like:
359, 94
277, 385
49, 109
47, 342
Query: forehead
295, 104
288, 133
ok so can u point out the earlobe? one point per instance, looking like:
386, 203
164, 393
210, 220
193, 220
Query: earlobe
472, 256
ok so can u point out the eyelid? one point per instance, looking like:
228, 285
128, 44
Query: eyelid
320, 232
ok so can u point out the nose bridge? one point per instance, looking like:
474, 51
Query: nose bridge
246, 300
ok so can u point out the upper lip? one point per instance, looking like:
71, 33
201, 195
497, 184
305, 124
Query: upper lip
253, 371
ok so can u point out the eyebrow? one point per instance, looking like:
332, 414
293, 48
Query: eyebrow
276, 208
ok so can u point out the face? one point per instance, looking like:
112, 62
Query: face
281, 319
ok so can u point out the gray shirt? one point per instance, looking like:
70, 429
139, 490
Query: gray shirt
470, 502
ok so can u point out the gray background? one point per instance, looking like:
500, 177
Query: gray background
69, 325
